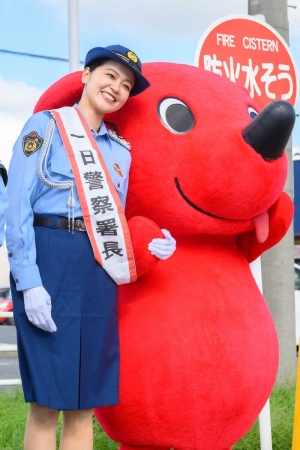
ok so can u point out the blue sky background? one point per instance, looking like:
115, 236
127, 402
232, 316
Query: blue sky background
157, 30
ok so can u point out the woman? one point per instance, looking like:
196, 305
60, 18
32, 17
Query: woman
65, 303
3, 200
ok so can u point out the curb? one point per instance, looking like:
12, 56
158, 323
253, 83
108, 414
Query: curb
8, 351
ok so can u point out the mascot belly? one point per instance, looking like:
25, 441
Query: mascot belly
199, 351
196, 366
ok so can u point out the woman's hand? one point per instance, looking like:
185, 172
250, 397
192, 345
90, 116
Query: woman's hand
38, 307
163, 248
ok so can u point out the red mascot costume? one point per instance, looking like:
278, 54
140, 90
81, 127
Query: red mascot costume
199, 351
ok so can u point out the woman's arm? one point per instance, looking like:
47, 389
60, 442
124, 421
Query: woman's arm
22, 189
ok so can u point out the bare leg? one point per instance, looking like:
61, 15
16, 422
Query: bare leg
77, 430
40, 433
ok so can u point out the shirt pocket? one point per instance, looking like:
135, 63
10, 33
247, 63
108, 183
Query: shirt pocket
61, 168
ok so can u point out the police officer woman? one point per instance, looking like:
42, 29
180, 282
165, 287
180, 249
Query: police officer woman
64, 212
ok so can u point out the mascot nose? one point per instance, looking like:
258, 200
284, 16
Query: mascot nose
270, 130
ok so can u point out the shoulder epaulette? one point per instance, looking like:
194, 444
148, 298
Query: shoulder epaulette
115, 137
47, 114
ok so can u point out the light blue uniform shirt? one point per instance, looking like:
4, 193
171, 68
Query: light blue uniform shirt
3, 208
28, 195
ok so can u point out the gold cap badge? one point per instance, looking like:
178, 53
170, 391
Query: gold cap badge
132, 56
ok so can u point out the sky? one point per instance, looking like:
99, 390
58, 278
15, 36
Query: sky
157, 30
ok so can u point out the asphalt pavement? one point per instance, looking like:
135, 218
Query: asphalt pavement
9, 367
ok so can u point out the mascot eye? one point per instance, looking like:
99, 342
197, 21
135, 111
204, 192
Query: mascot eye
175, 115
252, 112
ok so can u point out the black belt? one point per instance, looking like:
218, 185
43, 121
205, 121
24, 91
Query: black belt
60, 222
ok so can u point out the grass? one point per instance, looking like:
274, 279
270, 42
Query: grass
13, 413
282, 418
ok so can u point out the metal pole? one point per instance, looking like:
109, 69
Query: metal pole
73, 36
265, 430
278, 262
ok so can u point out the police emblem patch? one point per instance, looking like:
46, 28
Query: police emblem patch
31, 143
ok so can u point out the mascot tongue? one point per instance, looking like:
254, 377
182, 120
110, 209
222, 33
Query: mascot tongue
261, 224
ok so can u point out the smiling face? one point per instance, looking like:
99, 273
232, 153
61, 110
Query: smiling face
106, 90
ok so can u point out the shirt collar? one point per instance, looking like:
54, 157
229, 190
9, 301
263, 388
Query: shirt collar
102, 131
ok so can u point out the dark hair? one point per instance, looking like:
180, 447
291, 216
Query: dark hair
112, 126
98, 62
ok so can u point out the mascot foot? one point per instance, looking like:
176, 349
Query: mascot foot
136, 447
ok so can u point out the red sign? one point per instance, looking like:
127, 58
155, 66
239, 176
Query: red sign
251, 53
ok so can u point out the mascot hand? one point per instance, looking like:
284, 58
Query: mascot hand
142, 231
280, 218
37, 304
163, 248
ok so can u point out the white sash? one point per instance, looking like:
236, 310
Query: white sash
102, 210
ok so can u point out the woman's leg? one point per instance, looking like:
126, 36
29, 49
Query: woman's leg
77, 430
40, 433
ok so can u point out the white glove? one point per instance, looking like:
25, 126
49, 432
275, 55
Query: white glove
38, 307
163, 248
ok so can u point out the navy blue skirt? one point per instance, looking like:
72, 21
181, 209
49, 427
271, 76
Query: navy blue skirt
76, 367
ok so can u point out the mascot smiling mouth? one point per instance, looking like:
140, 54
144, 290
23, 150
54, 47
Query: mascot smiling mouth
261, 222
193, 204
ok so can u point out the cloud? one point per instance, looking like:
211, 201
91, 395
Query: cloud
294, 18
17, 101
155, 18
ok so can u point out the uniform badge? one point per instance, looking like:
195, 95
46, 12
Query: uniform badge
118, 170
132, 56
31, 143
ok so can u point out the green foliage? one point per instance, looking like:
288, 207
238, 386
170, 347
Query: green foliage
101, 441
13, 413
282, 418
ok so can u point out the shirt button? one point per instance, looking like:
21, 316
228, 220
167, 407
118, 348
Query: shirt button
118, 184
71, 171
10, 255
17, 281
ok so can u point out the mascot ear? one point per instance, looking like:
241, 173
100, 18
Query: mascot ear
64, 92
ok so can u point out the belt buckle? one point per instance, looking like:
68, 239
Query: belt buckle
79, 225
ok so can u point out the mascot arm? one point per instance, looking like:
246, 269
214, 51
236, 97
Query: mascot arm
142, 231
280, 218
